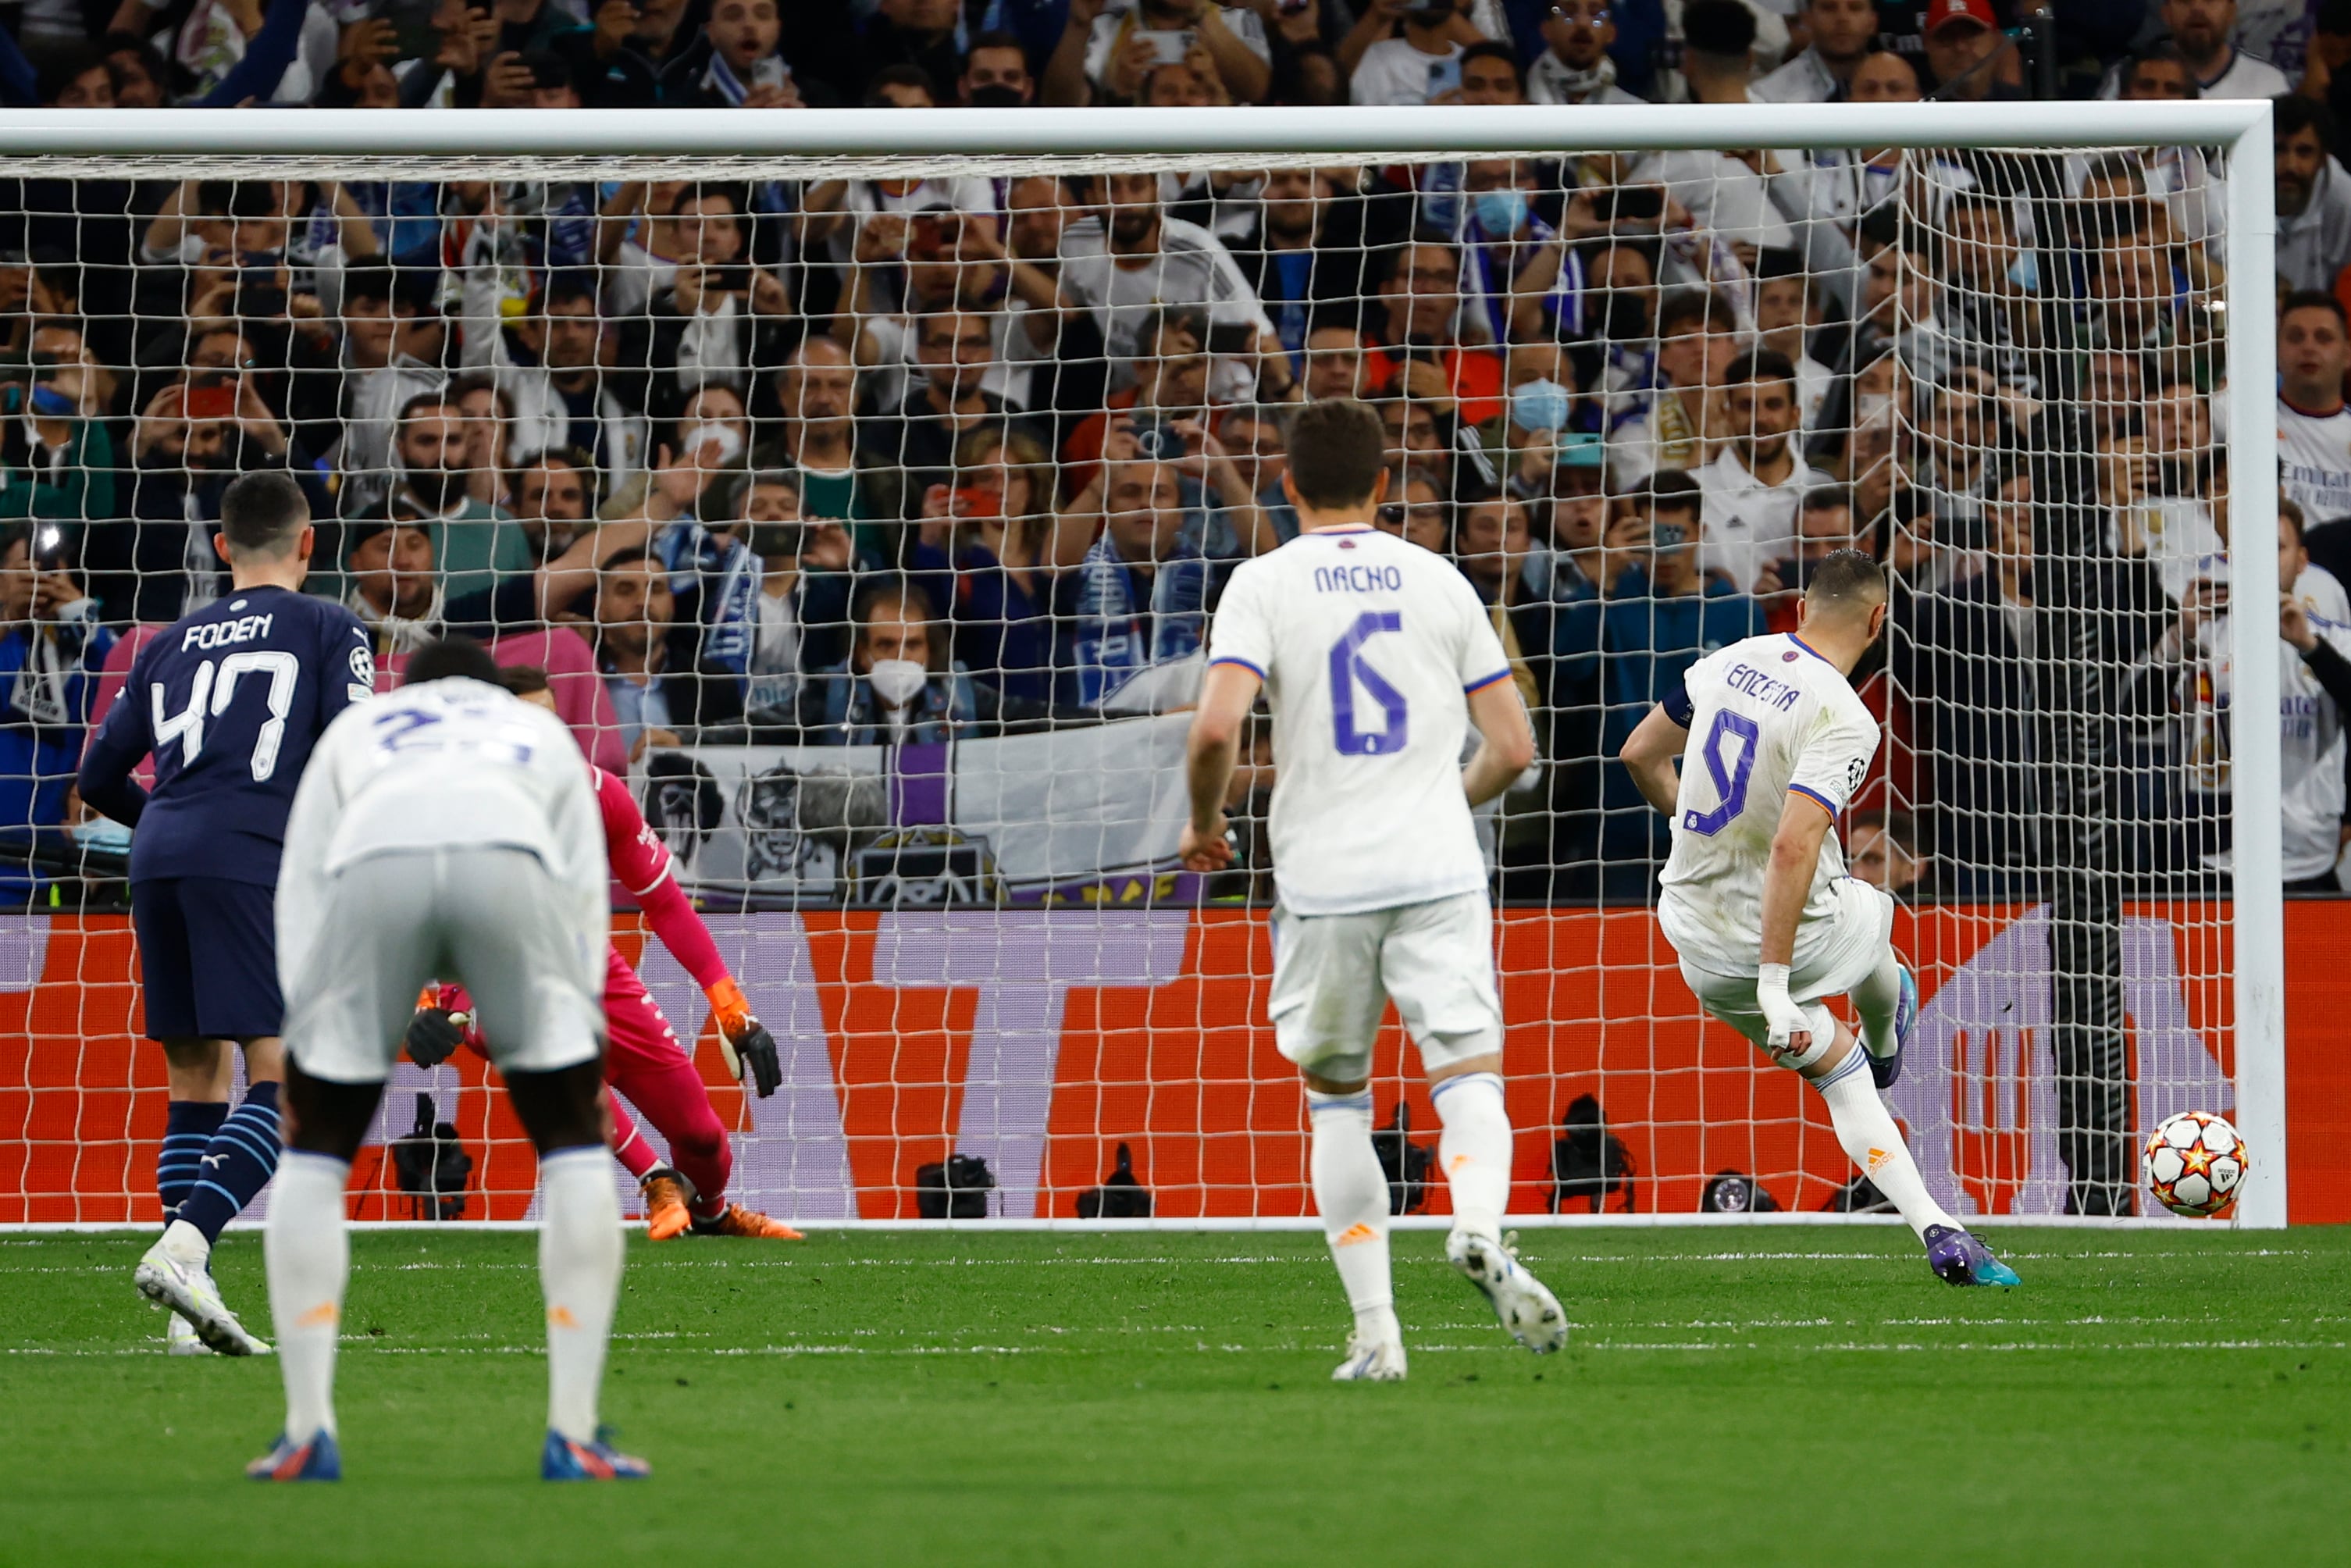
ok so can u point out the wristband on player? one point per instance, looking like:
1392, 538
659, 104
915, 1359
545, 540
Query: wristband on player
1771, 980
730, 1007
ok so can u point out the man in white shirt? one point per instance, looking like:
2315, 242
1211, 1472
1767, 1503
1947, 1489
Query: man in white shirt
1130, 257
1843, 32
1756, 482
1773, 744
448, 830
1577, 68
1376, 656
2205, 32
2314, 352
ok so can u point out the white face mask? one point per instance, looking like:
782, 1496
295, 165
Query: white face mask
897, 681
715, 445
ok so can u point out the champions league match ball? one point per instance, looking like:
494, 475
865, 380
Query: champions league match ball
2194, 1164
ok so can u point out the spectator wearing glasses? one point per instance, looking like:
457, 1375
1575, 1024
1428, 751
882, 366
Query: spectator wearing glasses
1418, 317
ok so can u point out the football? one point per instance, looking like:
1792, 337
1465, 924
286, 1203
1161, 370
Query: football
2194, 1164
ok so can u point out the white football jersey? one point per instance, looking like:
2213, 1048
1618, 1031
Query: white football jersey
1368, 647
2314, 462
452, 764
1769, 717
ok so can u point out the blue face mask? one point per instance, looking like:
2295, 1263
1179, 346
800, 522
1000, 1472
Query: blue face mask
102, 833
49, 401
1540, 405
2026, 273
1500, 213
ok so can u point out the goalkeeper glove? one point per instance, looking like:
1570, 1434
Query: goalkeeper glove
745, 1039
1790, 1040
433, 1035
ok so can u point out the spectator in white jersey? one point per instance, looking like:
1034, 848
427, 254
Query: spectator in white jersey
1754, 484
1576, 67
2205, 33
2314, 695
2313, 426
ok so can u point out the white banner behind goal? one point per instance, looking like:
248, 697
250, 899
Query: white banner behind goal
864, 483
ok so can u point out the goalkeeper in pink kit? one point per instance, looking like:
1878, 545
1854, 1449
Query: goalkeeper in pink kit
644, 1060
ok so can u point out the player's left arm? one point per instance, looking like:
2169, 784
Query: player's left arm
1648, 753
1209, 758
642, 862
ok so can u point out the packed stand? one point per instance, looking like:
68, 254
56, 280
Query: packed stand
857, 462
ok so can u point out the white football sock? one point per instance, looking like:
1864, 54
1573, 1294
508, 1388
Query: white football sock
187, 1246
1866, 1132
1351, 1192
308, 1254
579, 1274
1876, 999
1475, 1150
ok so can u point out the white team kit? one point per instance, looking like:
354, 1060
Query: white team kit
2315, 461
1768, 717
1370, 649
1367, 646
446, 830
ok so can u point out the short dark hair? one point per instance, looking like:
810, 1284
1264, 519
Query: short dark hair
1337, 448
1672, 490
451, 658
2292, 114
1686, 309
2313, 299
996, 38
2166, 54
523, 680
2290, 514
1494, 50
1847, 577
1759, 365
263, 513
904, 74
1828, 498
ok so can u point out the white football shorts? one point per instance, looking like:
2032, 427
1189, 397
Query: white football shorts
1864, 928
1334, 974
491, 917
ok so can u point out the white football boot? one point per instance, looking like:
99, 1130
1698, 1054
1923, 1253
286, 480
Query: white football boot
1371, 1360
1531, 1312
180, 1339
167, 1282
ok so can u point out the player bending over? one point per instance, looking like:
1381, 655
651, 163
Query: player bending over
1756, 901
446, 829
642, 1058
229, 702
1376, 657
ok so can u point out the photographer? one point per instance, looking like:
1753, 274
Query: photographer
52, 648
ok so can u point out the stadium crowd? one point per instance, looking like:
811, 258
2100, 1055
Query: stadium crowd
871, 461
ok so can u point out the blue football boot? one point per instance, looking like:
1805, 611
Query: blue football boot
1959, 1259
564, 1460
316, 1460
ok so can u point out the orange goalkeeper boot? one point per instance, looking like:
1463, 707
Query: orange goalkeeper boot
737, 1221
666, 1197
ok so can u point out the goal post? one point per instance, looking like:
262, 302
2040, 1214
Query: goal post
1024, 976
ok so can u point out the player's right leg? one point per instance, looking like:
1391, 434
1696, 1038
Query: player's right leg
537, 982
1326, 1004
206, 1144
345, 1011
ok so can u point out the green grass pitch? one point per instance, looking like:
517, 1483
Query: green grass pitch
1749, 1396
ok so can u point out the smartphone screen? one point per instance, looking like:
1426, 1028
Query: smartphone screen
210, 403
1168, 45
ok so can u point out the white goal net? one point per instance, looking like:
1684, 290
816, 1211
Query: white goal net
866, 505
